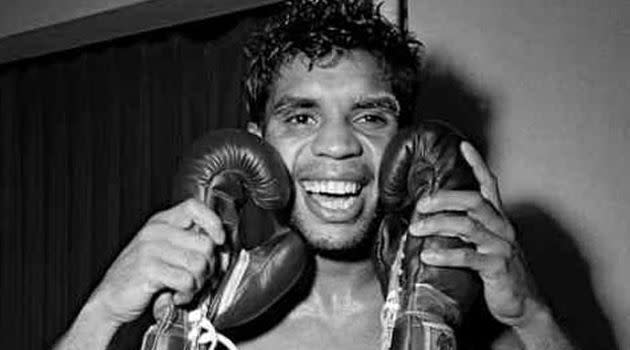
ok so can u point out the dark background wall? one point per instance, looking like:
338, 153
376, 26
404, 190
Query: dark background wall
89, 143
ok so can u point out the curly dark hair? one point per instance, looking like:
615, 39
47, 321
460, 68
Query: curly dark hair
318, 28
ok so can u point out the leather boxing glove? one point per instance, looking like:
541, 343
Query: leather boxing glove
423, 303
225, 169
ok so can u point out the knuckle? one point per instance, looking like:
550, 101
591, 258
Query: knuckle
468, 224
164, 216
466, 256
190, 204
478, 200
159, 216
147, 231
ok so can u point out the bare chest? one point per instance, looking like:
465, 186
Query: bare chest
358, 331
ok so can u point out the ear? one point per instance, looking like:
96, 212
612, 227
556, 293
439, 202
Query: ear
254, 129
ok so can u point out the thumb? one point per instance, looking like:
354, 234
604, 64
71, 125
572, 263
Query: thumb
162, 304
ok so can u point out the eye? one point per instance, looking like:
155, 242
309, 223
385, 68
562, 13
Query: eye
372, 120
300, 119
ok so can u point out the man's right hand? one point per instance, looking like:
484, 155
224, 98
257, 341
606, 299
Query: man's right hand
172, 252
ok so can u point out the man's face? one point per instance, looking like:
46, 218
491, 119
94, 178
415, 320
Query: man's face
331, 125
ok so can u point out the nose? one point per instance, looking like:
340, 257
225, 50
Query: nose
336, 139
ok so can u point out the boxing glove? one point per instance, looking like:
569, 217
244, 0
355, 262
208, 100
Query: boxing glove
423, 303
225, 169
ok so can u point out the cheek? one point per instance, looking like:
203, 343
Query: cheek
376, 148
288, 148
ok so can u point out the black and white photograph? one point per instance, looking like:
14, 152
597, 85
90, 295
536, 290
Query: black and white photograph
314, 174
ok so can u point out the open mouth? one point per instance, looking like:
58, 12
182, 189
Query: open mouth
340, 196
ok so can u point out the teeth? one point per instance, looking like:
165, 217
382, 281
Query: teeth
335, 203
332, 187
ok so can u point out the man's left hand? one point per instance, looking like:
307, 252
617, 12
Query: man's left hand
508, 290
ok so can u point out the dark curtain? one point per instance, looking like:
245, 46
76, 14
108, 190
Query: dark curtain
90, 140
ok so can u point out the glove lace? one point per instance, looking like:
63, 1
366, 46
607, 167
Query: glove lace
203, 332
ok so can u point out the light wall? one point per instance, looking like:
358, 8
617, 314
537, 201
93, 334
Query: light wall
556, 74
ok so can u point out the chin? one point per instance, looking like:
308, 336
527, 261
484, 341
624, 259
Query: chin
339, 242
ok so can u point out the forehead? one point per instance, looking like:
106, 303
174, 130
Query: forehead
353, 73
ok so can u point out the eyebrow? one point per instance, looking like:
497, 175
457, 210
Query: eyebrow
378, 102
293, 102
385, 102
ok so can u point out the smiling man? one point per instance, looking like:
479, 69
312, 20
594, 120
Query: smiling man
331, 124
330, 84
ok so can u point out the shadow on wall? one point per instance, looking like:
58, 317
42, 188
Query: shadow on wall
562, 276
558, 268
447, 96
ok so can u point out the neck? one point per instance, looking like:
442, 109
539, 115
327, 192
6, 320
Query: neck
341, 288
348, 275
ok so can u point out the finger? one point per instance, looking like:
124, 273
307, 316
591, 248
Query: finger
193, 212
161, 305
175, 278
207, 220
487, 180
471, 202
463, 227
486, 265
187, 240
194, 263
452, 200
